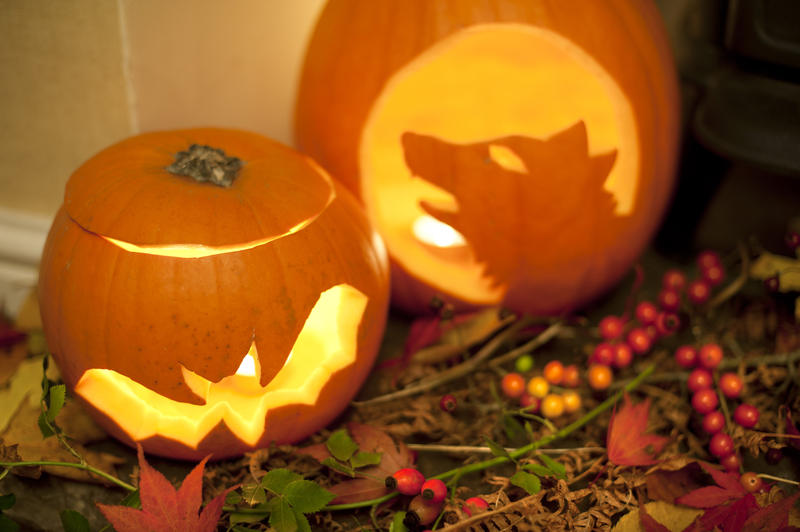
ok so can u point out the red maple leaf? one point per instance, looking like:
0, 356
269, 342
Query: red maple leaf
394, 456
165, 509
731, 508
627, 441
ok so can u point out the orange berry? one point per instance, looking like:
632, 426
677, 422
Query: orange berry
572, 377
554, 372
513, 385
572, 401
599, 376
552, 406
538, 386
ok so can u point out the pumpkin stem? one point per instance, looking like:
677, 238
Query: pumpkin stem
205, 164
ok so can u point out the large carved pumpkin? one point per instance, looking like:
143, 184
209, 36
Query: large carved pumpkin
213, 302
508, 151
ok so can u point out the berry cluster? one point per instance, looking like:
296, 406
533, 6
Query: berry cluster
428, 495
537, 396
705, 399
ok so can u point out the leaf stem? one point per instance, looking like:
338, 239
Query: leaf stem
84, 467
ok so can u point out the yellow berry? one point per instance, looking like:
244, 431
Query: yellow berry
552, 406
538, 386
572, 401
599, 376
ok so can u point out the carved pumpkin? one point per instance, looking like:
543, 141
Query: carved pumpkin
509, 151
213, 302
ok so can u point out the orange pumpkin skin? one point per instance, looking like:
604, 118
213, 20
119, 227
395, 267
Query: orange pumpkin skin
362, 54
271, 243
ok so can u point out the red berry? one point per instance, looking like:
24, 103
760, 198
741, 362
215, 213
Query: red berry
421, 512
646, 312
448, 403
529, 402
731, 462
474, 505
686, 356
434, 490
746, 415
713, 422
774, 456
699, 379
714, 274
731, 384
572, 376
603, 354
667, 323
623, 356
772, 283
793, 240
639, 341
513, 385
407, 481
721, 445
706, 259
709, 356
751, 482
674, 279
611, 327
705, 401
669, 299
698, 291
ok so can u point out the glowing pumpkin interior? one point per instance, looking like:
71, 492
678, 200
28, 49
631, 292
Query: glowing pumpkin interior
486, 82
326, 344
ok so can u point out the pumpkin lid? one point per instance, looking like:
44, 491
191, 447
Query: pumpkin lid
127, 193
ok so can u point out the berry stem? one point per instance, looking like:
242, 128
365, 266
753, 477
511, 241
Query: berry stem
84, 467
778, 479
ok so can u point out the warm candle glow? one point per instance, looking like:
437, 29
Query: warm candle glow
431, 231
248, 366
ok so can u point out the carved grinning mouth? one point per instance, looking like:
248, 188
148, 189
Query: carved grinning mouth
327, 344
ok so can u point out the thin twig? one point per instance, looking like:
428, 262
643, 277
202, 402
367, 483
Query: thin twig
533, 344
83, 467
737, 283
456, 371
778, 479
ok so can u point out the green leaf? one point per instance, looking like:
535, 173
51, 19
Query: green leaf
306, 496
341, 445
57, 395
73, 521
397, 523
7, 501
281, 516
277, 480
7, 525
250, 517
132, 500
557, 468
512, 427
302, 522
497, 449
253, 494
527, 481
338, 466
538, 470
44, 426
233, 497
361, 459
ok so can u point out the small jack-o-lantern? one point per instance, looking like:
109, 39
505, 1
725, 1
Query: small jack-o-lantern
518, 152
212, 302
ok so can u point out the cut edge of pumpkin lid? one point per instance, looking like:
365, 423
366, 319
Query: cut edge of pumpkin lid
126, 195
